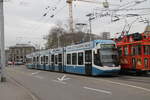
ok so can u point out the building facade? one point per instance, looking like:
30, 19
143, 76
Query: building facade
18, 52
106, 35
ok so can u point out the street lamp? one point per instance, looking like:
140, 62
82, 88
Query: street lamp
2, 45
90, 16
81, 25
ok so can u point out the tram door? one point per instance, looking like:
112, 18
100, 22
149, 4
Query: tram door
60, 63
88, 62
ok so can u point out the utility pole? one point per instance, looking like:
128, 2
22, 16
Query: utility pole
90, 16
2, 46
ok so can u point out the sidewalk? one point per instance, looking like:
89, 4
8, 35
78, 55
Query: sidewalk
11, 91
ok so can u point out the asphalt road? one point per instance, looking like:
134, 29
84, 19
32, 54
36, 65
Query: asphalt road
45, 85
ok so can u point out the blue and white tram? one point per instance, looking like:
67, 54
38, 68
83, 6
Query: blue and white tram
98, 57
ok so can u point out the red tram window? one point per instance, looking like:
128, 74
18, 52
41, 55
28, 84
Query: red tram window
146, 63
125, 50
133, 63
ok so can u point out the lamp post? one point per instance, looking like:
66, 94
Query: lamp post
81, 25
90, 16
2, 51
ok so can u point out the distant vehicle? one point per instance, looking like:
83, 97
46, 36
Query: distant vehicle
19, 63
97, 57
9, 63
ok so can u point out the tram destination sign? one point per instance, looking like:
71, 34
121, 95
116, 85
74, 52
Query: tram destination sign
82, 46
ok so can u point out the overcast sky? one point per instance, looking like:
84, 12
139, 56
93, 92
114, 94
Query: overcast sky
24, 21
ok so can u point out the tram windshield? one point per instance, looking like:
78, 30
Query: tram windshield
106, 57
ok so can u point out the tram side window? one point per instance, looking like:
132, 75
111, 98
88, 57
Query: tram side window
33, 59
56, 57
139, 50
74, 58
133, 50
136, 50
46, 59
147, 50
42, 60
37, 59
126, 51
52, 58
97, 59
146, 63
80, 58
68, 59
120, 51
60, 58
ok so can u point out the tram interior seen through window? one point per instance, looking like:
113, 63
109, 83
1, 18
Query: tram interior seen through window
80, 58
136, 50
68, 59
147, 49
97, 60
74, 58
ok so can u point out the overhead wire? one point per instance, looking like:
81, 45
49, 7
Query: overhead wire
42, 18
37, 28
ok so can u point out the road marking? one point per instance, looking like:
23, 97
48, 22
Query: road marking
98, 90
63, 78
35, 73
59, 81
124, 84
40, 77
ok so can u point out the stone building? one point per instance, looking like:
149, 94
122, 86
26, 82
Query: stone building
18, 52
105, 35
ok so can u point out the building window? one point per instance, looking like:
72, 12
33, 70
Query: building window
74, 58
80, 58
68, 59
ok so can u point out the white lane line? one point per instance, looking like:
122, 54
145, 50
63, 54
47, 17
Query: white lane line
124, 84
35, 73
59, 81
40, 77
98, 90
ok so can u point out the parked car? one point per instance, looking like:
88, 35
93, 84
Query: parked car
19, 63
9, 63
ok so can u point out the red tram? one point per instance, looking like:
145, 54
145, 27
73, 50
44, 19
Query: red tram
134, 51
